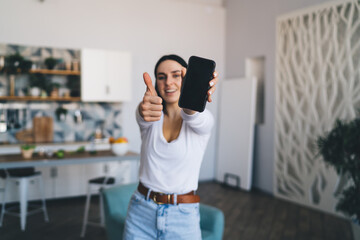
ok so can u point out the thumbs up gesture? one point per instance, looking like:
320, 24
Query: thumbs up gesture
151, 107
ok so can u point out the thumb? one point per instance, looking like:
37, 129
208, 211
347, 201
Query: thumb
148, 82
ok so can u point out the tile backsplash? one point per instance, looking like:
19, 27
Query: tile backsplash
80, 122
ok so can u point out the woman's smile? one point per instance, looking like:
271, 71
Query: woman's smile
170, 91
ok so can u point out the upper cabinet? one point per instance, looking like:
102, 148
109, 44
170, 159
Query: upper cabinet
105, 76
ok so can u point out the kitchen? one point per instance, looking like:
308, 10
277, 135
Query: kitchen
64, 135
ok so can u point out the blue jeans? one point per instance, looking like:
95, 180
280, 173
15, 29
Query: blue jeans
147, 220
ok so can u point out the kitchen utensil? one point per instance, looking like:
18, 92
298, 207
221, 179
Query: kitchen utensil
24, 117
35, 91
3, 125
77, 116
25, 136
12, 84
17, 124
10, 119
119, 149
41, 151
43, 129
49, 153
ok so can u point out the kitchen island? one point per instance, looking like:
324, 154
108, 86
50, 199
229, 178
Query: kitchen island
68, 176
73, 180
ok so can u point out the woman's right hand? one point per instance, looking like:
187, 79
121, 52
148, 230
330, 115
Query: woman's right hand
150, 108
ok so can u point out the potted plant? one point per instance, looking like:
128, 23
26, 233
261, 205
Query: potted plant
55, 90
14, 64
27, 150
37, 83
25, 65
340, 148
50, 62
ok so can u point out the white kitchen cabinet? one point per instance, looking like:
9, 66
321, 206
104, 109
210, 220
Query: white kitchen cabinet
105, 76
71, 180
120, 170
33, 187
49, 184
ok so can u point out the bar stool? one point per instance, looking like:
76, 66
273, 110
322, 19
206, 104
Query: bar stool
22, 177
94, 186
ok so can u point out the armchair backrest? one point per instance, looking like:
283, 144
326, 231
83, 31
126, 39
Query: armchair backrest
117, 198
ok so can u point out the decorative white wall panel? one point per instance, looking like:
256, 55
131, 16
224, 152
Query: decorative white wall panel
318, 81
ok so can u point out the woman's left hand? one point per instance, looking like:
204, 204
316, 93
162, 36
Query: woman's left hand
212, 84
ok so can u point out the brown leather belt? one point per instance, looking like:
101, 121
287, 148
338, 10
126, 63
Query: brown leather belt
162, 198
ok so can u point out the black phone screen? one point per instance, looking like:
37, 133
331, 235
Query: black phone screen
196, 83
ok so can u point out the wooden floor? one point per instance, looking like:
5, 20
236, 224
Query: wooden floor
258, 216
248, 216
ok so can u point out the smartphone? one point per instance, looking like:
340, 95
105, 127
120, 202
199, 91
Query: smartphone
196, 83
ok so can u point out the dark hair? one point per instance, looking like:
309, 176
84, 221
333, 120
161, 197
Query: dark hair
172, 57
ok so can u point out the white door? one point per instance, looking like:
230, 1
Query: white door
236, 131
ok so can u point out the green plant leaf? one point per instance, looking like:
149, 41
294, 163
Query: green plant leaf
340, 148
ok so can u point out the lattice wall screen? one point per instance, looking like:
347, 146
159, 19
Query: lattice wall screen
318, 81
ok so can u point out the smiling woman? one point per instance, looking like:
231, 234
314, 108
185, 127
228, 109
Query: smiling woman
173, 144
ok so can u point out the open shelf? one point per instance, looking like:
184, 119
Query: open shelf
55, 72
44, 99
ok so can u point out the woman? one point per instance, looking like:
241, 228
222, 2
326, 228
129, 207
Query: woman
165, 205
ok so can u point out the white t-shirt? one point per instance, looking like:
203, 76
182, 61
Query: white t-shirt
173, 167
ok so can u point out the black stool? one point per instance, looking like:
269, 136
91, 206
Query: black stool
97, 184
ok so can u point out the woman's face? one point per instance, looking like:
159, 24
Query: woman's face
168, 80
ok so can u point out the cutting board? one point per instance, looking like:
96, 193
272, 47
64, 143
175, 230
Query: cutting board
43, 129
25, 136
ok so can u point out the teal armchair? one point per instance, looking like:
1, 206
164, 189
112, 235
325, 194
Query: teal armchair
116, 201
211, 222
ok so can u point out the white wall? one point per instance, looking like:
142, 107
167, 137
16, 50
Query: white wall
148, 29
250, 32
208, 2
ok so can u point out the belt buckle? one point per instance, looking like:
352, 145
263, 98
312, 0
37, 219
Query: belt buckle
161, 203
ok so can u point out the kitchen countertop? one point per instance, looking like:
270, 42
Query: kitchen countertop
17, 161
7, 144
99, 144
